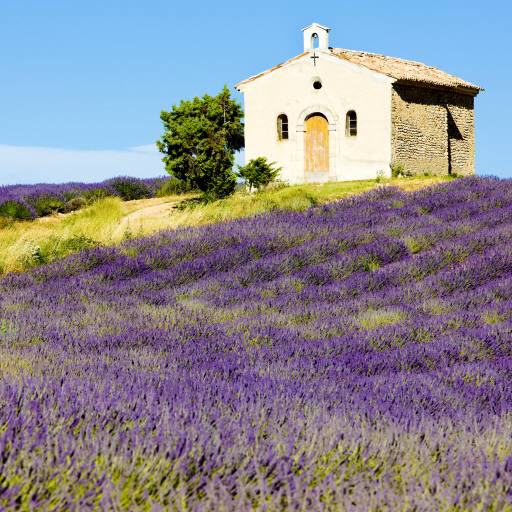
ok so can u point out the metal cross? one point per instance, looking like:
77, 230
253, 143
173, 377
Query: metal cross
314, 57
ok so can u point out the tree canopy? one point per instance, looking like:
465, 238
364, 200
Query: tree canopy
200, 138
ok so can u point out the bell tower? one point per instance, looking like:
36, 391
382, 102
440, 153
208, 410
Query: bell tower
316, 36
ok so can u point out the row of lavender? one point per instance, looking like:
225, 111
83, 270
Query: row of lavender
31, 201
354, 356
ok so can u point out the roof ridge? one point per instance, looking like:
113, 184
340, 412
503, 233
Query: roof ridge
385, 56
403, 69
398, 68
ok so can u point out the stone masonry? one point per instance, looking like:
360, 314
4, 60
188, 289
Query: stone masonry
432, 130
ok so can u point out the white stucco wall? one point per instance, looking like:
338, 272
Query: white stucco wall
345, 86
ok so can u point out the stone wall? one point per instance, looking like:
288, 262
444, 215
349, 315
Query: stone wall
432, 130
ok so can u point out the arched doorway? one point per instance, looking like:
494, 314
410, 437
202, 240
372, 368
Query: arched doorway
317, 144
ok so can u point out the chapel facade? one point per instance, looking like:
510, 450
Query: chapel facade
336, 114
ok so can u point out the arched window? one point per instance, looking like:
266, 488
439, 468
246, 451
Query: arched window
282, 127
351, 124
314, 40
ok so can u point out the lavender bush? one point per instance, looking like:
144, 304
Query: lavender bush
353, 356
30, 201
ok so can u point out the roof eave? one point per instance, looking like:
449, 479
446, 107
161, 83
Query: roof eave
316, 25
472, 90
252, 78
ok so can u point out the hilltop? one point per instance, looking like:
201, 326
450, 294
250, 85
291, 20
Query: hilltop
110, 220
350, 356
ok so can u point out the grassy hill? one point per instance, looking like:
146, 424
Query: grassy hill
351, 356
110, 220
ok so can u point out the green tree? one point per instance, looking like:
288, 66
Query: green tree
199, 142
258, 172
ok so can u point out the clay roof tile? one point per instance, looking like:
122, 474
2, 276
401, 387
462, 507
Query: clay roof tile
402, 70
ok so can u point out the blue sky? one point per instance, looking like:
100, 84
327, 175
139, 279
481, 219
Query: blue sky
83, 81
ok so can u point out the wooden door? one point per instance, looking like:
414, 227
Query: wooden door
317, 144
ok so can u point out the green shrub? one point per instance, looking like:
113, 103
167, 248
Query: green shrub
220, 185
74, 204
93, 194
398, 170
129, 189
77, 243
68, 195
173, 186
14, 210
258, 172
46, 205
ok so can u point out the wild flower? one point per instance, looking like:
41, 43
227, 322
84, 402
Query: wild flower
314, 360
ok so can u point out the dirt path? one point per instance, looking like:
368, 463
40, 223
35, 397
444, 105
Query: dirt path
145, 218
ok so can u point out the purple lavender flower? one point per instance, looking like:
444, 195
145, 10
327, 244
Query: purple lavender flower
354, 356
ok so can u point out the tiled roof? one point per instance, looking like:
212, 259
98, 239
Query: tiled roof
269, 70
400, 69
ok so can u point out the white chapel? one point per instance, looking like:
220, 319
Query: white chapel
336, 114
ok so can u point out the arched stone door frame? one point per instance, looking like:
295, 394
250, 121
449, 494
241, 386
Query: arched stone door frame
301, 131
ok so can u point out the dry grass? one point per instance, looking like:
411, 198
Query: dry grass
108, 221
296, 197
372, 319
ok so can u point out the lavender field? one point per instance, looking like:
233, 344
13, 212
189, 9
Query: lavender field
24, 202
352, 356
